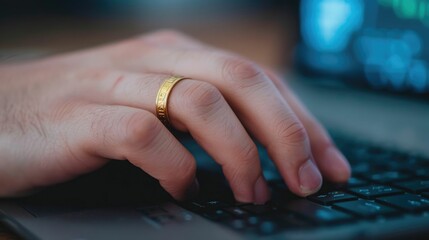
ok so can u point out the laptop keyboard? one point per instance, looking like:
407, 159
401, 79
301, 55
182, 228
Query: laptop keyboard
384, 184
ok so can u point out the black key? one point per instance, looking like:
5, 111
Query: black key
385, 177
153, 210
237, 224
258, 209
164, 219
361, 168
414, 186
331, 197
332, 187
253, 220
364, 208
371, 156
421, 172
212, 204
355, 182
268, 227
357, 153
272, 223
315, 212
217, 215
408, 202
401, 166
289, 220
374, 191
417, 160
237, 212
425, 194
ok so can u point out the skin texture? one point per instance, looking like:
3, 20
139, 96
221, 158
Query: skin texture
67, 115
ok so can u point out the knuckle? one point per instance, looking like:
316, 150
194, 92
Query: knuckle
141, 130
248, 155
238, 177
245, 170
101, 124
94, 74
203, 97
181, 173
184, 168
240, 71
291, 131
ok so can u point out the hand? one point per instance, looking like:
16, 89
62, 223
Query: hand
67, 115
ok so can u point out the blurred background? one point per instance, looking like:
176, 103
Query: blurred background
262, 30
377, 44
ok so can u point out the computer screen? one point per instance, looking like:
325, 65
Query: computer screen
381, 44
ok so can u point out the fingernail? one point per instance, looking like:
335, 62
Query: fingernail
310, 178
339, 163
261, 191
192, 191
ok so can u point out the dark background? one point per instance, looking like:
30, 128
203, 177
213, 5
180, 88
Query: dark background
31, 28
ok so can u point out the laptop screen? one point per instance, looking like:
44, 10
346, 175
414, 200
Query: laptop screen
381, 44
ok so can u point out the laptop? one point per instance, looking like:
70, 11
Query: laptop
361, 68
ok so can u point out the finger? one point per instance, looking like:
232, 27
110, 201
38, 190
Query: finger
330, 160
125, 133
256, 101
197, 107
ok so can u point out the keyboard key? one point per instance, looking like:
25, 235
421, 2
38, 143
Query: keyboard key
153, 210
268, 227
289, 220
361, 168
386, 177
417, 160
421, 172
315, 212
217, 215
414, 186
237, 212
212, 204
331, 197
374, 191
164, 219
408, 202
253, 220
237, 224
425, 194
364, 208
352, 182
355, 182
258, 209
256, 225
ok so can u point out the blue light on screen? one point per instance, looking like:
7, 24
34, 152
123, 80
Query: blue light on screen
385, 40
392, 58
418, 75
328, 24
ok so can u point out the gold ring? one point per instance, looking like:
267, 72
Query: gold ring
162, 98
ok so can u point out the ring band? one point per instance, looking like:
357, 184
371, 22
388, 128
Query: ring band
162, 98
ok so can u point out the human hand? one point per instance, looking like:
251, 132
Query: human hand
67, 115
